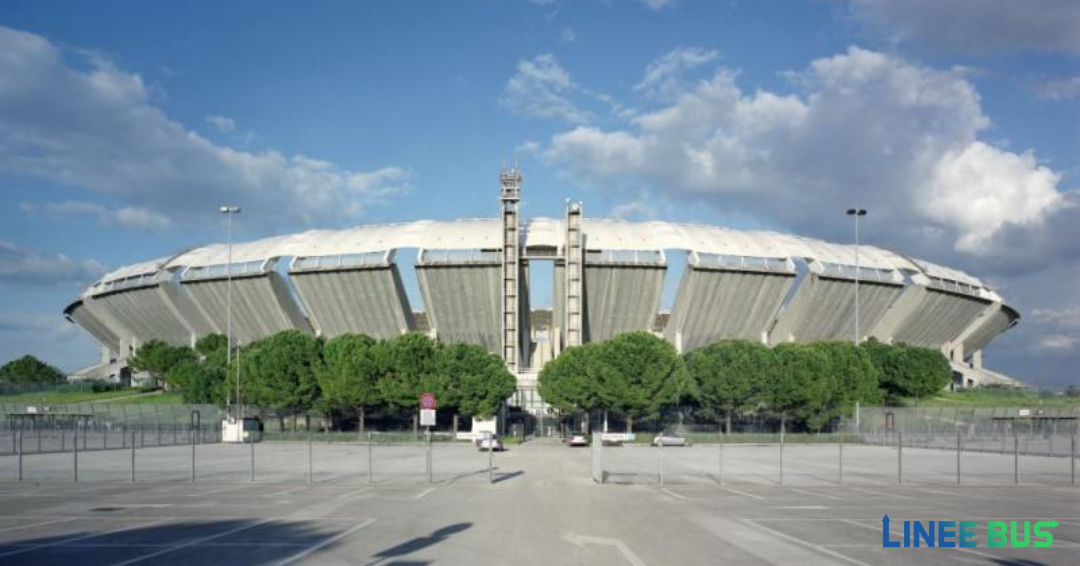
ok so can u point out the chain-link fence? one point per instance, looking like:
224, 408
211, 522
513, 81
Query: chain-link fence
881, 446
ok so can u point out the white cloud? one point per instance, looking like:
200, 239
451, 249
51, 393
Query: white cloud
657, 4
94, 127
541, 88
127, 217
222, 124
663, 77
22, 266
633, 210
568, 36
867, 127
977, 26
1058, 89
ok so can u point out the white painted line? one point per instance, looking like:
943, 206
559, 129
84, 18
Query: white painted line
673, 494
193, 543
32, 525
81, 537
323, 543
424, 493
881, 493
937, 491
286, 492
815, 494
815, 507
582, 540
983, 554
219, 490
858, 524
357, 492
743, 493
805, 544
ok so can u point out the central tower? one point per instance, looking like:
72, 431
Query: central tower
510, 181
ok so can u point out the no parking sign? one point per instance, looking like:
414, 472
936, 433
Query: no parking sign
427, 401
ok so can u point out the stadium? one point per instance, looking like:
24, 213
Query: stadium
608, 278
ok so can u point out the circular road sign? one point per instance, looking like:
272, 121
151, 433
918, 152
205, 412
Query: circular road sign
427, 401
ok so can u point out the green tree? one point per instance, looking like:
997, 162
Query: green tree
642, 374
570, 382
478, 381
730, 375
349, 375
412, 369
29, 369
801, 386
278, 372
908, 371
854, 377
157, 358
211, 344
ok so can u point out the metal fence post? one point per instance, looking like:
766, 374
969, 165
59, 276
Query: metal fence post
20, 449
370, 453
662, 457
309, 448
63, 438
721, 462
1016, 457
427, 455
840, 461
899, 458
781, 457
959, 450
75, 464
491, 459
251, 451
38, 437
133, 459
1072, 458
191, 435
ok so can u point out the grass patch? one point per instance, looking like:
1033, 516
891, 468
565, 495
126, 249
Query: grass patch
64, 397
982, 397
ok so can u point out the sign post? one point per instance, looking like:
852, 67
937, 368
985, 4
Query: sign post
428, 403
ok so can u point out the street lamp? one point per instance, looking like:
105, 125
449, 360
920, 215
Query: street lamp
230, 211
856, 213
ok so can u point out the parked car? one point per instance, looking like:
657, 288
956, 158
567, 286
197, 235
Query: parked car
493, 443
670, 439
577, 440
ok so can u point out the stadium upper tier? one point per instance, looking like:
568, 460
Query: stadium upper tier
736, 284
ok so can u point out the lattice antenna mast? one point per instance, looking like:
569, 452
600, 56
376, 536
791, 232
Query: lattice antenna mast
510, 183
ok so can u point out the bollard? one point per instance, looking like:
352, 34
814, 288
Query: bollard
1016, 458
899, 458
369, 461
133, 459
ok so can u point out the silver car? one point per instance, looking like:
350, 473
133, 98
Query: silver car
670, 439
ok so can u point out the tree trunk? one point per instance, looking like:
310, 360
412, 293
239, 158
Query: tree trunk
455, 425
585, 423
727, 423
629, 424
363, 418
415, 425
783, 426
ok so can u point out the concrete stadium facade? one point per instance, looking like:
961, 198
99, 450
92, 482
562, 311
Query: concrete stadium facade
473, 277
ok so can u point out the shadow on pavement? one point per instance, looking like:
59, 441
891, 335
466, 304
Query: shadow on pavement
418, 543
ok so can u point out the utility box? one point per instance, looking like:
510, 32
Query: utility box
235, 430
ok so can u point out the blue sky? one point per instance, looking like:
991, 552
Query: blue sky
124, 124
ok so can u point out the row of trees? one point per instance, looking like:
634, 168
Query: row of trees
292, 372
29, 370
639, 375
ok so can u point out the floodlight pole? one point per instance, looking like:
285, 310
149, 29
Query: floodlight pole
856, 213
230, 211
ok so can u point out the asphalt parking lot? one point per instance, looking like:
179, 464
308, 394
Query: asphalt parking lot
543, 509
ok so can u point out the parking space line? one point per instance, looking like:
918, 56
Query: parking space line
424, 493
81, 537
939, 492
882, 493
219, 490
815, 494
673, 494
858, 524
816, 547
744, 494
323, 543
357, 492
193, 542
287, 491
32, 525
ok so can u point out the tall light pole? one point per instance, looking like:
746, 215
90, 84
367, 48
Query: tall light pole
230, 211
856, 213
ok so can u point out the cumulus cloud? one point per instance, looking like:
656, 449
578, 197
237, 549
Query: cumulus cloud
93, 126
867, 128
222, 124
126, 217
1058, 89
542, 88
19, 265
976, 26
663, 77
